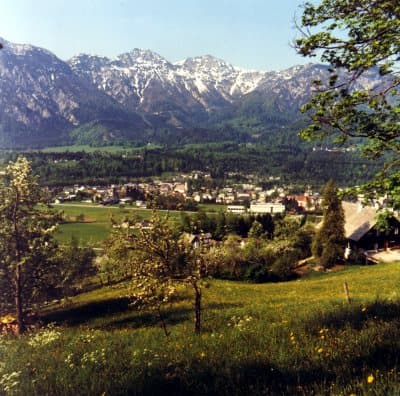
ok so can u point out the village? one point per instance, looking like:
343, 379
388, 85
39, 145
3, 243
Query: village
361, 228
195, 187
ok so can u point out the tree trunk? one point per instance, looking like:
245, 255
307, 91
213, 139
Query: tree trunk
197, 308
18, 301
162, 322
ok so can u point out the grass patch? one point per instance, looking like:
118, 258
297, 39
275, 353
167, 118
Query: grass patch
212, 208
94, 233
299, 337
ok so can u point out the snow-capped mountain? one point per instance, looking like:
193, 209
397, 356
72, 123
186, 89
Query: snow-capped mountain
144, 81
43, 98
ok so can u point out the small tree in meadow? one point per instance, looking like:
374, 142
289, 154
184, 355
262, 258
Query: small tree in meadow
158, 259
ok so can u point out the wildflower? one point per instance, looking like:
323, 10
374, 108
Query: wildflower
319, 350
370, 379
9, 382
202, 355
7, 319
44, 337
363, 309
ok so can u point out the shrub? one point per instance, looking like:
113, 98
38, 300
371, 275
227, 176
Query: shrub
282, 268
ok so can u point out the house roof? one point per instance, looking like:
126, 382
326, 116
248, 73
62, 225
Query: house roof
358, 220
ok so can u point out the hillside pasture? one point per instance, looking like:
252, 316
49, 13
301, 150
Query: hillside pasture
299, 337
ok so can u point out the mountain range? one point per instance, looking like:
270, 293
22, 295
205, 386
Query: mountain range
140, 96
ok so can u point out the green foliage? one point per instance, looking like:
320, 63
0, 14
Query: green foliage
383, 221
171, 202
76, 265
265, 156
328, 245
27, 248
283, 266
154, 259
356, 38
303, 240
256, 230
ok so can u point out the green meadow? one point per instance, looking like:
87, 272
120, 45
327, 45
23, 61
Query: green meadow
294, 338
96, 224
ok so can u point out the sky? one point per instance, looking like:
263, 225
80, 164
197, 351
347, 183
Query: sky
252, 34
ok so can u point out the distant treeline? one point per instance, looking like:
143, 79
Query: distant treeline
294, 164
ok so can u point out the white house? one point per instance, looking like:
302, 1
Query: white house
269, 207
237, 209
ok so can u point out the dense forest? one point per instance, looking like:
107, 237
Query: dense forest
293, 164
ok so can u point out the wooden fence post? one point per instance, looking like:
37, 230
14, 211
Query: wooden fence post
346, 292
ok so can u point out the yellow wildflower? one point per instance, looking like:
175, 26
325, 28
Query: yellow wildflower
7, 319
370, 379
319, 350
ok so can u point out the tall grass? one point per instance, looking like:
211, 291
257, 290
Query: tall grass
299, 337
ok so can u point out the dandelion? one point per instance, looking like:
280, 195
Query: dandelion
320, 350
370, 379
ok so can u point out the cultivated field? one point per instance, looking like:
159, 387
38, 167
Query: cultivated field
96, 225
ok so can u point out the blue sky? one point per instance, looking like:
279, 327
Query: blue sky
253, 34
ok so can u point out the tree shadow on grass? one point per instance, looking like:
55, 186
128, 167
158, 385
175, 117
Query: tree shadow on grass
249, 377
172, 316
356, 316
83, 313
375, 327
117, 313
254, 378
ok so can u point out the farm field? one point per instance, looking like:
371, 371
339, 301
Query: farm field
299, 337
96, 223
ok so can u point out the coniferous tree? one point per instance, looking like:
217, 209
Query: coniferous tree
328, 244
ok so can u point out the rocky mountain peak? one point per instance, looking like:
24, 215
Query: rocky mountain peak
41, 93
142, 57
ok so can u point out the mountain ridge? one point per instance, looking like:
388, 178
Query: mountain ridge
45, 100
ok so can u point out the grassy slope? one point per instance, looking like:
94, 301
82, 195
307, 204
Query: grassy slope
298, 337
